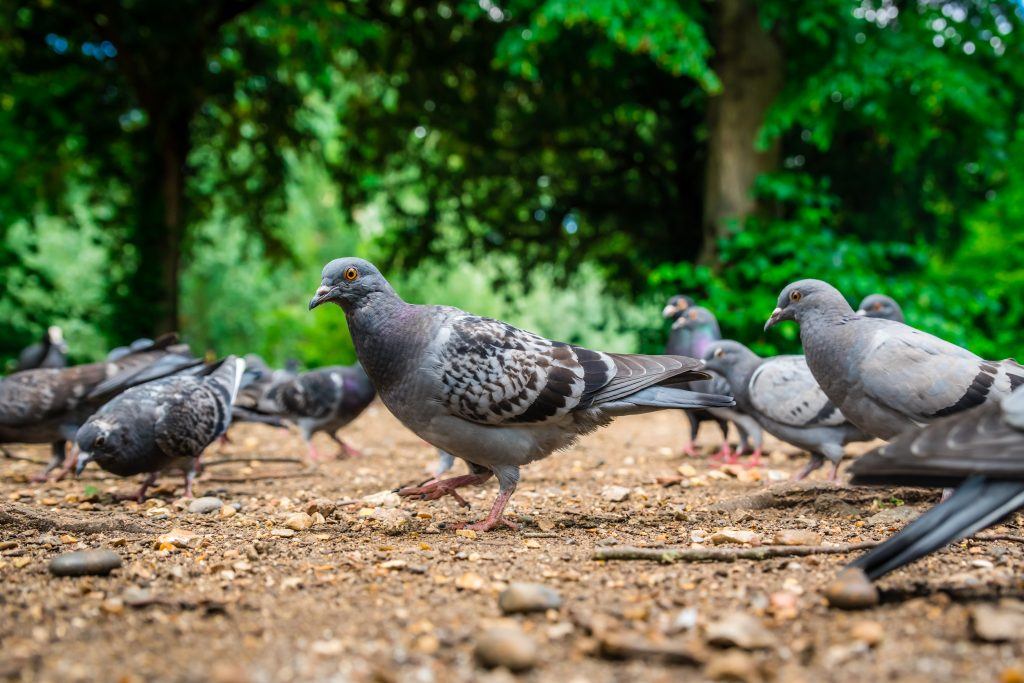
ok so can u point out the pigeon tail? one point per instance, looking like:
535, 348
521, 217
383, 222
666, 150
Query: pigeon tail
975, 505
659, 397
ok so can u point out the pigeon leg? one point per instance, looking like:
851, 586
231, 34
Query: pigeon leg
495, 519
690, 450
346, 450
755, 458
314, 456
817, 460
725, 455
69, 463
57, 456
190, 475
834, 475
140, 495
438, 488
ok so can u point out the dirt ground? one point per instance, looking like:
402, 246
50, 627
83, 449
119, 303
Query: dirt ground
374, 594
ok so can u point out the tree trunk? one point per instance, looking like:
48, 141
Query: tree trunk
749, 63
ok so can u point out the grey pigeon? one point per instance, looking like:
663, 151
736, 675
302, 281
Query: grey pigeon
887, 377
163, 424
323, 400
486, 392
694, 330
980, 450
781, 394
880, 306
259, 382
49, 405
50, 352
122, 351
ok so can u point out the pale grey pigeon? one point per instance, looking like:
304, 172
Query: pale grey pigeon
50, 352
781, 394
122, 351
486, 392
980, 450
694, 329
887, 377
880, 306
161, 425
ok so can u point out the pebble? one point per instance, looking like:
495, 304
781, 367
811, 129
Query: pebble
739, 630
393, 521
470, 582
228, 511
735, 536
85, 562
796, 537
889, 517
179, 538
322, 506
282, 533
520, 598
684, 620
137, 597
205, 505
508, 647
733, 665
870, 633
851, 589
299, 521
615, 494
382, 499
998, 623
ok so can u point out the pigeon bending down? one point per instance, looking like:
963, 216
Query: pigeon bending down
163, 424
694, 330
981, 451
781, 394
258, 383
486, 392
49, 405
323, 400
880, 306
50, 352
887, 377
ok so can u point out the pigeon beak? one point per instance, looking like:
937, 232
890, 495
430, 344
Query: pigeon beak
321, 296
773, 319
84, 458
668, 311
861, 311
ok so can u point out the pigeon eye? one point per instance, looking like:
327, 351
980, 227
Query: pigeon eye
795, 295
719, 353
693, 315
351, 274
100, 440
878, 307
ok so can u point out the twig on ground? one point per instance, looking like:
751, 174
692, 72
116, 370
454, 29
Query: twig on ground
245, 461
764, 552
17, 516
242, 480
791, 494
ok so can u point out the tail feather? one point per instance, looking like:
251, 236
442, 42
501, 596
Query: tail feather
657, 398
975, 505
229, 373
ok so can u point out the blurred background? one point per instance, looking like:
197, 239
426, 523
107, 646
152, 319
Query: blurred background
562, 164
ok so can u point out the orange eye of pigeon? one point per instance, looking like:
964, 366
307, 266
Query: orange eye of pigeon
351, 274
795, 295
878, 307
693, 315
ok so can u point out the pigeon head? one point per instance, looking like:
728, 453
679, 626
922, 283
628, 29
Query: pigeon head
55, 336
694, 317
880, 306
350, 282
806, 297
724, 355
676, 306
97, 440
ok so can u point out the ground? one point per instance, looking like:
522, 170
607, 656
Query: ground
374, 594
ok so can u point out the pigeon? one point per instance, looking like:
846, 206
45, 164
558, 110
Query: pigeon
880, 306
887, 377
694, 329
258, 383
323, 400
51, 352
781, 394
49, 405
122, 351
163, 424
491, 394
979, 451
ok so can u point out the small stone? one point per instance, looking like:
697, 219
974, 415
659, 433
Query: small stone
466, 533
733, 665
321, 505
85, 562
684, 620
998, 623
508, 647
892, 517
735, 536
982, 564
137, 597
299, 521
851, 589
687, 470
783, 605
521, 598
796, 537
615, 494
179, 538
739, 630
470, 582
227, 511
282, 533
205, 505
21, 562
427, 644
383, 499
870, 633
393, 521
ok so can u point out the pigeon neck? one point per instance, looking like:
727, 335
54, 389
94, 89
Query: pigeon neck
379, 327
739, 378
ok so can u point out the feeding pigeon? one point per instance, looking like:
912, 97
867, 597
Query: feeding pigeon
880, 306
887, 377
160, 425
781, 394
486, 392
694, 329
323, 400
981, 451
258, 383
49, 405
51, 352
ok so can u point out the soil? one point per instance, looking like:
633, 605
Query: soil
381, 593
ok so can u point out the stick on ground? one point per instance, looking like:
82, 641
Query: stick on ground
764, 552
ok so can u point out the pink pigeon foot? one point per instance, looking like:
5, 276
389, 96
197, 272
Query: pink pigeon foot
495, 519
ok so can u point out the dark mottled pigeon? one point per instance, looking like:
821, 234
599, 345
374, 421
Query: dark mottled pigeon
323, 400
981, 451
781, 394
486, 392
887, 377
880, 306
50, 352
161, 425
49, 405
694, 330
